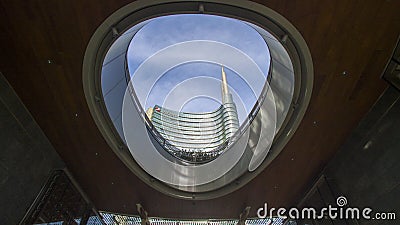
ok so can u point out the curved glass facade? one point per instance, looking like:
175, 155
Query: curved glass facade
197, 137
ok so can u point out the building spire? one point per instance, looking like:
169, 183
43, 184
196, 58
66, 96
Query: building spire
229, 107
225, 90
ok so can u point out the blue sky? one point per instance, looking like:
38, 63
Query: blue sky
194, 86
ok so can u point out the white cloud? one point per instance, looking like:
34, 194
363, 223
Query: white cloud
166, 31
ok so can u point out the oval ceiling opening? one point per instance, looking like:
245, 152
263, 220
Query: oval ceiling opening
203, 90
192, 102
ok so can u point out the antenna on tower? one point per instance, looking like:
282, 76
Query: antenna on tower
224, 85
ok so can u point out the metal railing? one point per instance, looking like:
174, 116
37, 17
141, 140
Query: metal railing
118, 219
61, 202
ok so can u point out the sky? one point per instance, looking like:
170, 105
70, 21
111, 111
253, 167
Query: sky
195, 86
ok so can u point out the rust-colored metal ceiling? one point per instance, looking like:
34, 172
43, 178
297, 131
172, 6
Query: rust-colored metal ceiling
43, 44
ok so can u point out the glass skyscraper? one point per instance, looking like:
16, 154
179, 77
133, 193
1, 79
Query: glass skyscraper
197, 137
